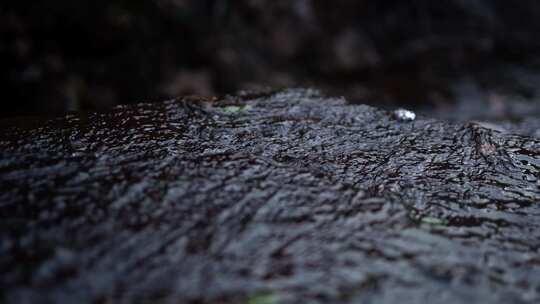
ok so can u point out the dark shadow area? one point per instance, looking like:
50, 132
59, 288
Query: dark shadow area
66, 56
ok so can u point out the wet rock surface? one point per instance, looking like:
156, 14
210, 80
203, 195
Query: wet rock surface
286, 197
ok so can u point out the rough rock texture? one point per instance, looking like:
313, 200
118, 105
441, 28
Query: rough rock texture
286, 197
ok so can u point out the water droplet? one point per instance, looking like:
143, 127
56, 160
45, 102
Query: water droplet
404, 115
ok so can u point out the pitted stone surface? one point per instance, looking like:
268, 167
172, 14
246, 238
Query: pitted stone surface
290, 195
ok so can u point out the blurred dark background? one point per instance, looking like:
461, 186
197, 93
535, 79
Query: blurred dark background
62, 56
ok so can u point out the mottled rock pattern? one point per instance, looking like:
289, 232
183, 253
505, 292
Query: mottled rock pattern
286, 197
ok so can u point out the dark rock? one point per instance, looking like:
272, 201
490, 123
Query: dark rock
285, 197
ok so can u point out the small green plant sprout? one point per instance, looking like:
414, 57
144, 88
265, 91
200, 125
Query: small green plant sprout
434, 221
262, 298
235, 109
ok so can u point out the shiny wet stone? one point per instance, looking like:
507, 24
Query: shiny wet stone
285, 197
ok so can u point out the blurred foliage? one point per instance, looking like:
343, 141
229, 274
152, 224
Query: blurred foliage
65, 55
